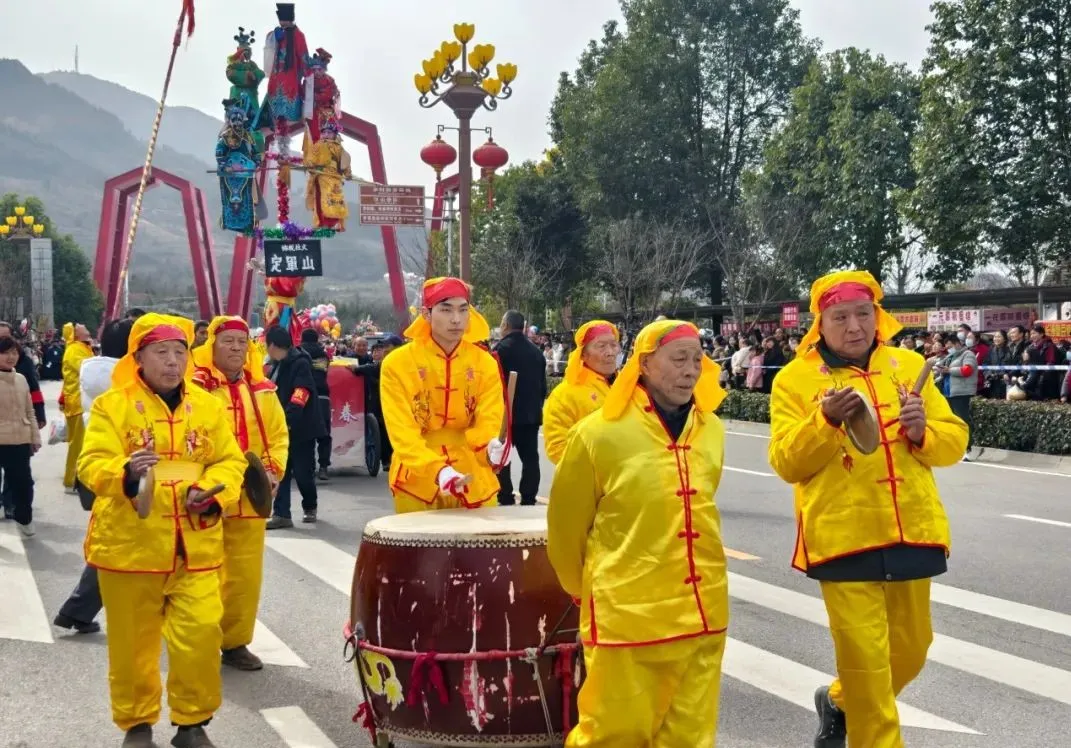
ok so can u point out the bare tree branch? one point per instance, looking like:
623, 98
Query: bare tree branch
510, 268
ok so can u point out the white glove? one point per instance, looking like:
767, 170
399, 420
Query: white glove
496, 452
449, 480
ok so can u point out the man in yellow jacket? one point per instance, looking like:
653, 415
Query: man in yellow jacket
443, 405
634, 534
78, 349
588, 374
154, 435
229, 367
870, 527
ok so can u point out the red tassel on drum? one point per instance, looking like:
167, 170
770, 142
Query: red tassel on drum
367, 719
563, 669
425, 667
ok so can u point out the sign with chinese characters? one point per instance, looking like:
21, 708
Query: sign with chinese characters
765, 326
1057, 329
913, 320
295, 257
950, 319
1002, 318
391, 205
790, 315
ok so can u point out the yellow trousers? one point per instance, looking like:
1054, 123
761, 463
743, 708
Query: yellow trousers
76, 431
881, 633
184, 608
240, 578
653, 696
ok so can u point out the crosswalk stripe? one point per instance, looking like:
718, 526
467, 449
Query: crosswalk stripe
272, 650
295, 727
24, 614
795, 683
318, 557
747, 472
999, 667
1039, 520
1005, 610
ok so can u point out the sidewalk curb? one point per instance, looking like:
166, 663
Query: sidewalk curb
985, 455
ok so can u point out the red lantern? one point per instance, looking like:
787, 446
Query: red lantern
438, 154
489, 157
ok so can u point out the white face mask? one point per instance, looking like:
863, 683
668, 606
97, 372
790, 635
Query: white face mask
970, 342
961, 335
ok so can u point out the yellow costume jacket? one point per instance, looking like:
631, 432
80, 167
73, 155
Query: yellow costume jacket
71, 368
633, 530
257, 420
566, 407
128, 418
441, 410
847, 502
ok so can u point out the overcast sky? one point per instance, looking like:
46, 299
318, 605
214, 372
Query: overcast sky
378, 46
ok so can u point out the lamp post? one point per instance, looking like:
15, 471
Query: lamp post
22, 226
464, 90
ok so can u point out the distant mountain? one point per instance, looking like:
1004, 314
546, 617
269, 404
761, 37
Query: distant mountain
64, 134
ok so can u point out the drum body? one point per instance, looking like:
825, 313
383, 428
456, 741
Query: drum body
475, 586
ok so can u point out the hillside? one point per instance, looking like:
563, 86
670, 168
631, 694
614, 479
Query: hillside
64, 134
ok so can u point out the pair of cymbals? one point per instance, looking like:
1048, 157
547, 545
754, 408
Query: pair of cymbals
863, 429
257, 484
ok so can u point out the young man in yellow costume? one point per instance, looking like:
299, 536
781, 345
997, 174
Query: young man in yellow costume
634, 534
229, 367
78, 350
588, 374
159, 576
443, 405
871, 528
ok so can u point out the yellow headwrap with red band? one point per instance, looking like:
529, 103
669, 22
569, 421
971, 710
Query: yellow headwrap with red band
148, 329
68, 332
844, 286
575, 371
708, 392
437, 290
254, 361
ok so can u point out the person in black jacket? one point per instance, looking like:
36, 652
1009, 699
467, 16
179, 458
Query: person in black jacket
515, 352
372, 403
292, 373
26, 368
310, 343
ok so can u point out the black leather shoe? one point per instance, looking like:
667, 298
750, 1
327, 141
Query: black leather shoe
139, 736
832, 727
66, 622
192, 737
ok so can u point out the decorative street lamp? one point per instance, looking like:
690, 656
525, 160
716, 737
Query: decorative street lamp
13, 230
464, 91
20, 226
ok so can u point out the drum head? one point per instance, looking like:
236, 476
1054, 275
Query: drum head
487, 527
863, 431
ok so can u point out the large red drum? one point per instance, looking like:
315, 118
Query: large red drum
464, 636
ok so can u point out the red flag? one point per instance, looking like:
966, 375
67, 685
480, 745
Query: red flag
187, 11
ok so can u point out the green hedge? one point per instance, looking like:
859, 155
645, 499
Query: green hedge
1044, 428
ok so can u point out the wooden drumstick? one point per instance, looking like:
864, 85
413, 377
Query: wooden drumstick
146, 489
927, 368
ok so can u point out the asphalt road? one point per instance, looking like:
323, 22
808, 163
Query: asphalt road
999, 671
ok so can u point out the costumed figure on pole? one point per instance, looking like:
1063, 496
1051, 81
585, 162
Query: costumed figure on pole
245, 77
285, 53
282, 293
322, 100
237, 159
328, 167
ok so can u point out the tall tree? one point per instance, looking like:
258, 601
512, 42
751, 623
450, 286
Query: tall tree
994, 151
75, 298
663, 119
844, 158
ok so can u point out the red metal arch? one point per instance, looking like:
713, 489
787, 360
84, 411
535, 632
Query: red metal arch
241, 282
443, 187
112, 249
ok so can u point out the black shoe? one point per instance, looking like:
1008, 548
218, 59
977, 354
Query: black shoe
322, 475
832, 727
192, 737
66, 622
279, 523
240, 658
310, 516
139, 736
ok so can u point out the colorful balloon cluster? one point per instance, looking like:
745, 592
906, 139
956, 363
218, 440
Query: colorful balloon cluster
323, 318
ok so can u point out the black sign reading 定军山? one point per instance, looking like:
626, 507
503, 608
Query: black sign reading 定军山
299, 257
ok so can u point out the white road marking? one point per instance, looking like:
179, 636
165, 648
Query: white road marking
23, 614
1005, 610
999, 667
319, 558
795, 683
747, 472
1039, 520
271, 649
751, 436
295, 727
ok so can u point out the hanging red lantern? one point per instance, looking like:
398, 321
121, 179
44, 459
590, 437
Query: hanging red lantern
489, 157
438, 154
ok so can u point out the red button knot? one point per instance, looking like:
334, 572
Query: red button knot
693, 580
647, 409
687, 534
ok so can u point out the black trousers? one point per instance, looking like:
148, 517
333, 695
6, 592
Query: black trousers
961, 406
84, 603
18, 481
323, 444
526, 442
386, 449
301, 466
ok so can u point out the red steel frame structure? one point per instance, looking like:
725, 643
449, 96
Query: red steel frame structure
114, 219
